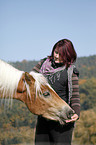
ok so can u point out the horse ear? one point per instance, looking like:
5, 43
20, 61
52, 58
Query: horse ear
28, 78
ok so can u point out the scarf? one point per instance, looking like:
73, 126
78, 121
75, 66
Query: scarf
47, 70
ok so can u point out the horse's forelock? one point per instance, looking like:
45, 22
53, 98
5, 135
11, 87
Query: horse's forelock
39, 80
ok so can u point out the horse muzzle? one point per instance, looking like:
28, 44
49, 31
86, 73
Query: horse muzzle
66, 114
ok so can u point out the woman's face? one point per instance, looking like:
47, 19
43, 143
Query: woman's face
57, 56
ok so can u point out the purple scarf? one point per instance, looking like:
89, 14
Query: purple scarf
47, 69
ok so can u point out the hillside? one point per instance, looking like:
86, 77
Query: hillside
87, 66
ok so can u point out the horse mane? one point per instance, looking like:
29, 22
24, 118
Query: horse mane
39, 80
9, 79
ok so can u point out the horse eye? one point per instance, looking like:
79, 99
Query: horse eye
46, 94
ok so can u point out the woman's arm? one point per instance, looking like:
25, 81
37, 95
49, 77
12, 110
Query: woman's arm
38, 66
75, 99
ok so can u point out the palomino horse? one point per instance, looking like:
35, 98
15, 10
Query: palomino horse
34, 90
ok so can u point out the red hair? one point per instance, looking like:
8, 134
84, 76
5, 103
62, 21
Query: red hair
66, 50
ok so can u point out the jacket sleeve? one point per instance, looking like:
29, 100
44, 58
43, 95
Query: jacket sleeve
75, 99
38, 66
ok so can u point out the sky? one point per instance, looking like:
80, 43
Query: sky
30, 28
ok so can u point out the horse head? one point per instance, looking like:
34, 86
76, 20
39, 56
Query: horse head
34, 90
41, 99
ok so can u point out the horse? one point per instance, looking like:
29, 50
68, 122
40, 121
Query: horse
34, 91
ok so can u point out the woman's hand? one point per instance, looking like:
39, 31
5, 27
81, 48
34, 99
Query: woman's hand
73, 118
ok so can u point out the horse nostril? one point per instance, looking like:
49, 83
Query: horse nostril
70, 114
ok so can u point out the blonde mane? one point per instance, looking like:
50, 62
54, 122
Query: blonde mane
39, 80
9, 78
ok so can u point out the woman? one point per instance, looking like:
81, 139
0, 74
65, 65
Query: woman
63, 77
